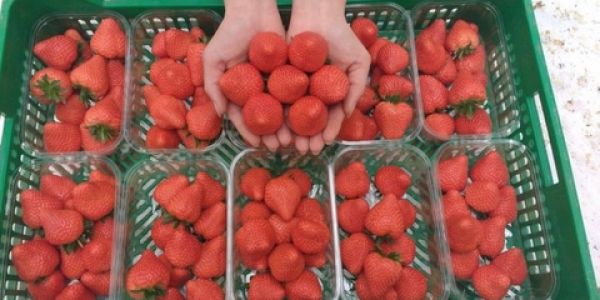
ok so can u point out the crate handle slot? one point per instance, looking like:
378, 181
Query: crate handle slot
545, 143
6, 130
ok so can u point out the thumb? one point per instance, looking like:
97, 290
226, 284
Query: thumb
235, 116
213, 70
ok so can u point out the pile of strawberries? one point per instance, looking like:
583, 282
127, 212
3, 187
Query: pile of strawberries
478, 205
70, 256
283, 234
384, 107
453, 80
176, 75
191, 234
85, 84
376, 249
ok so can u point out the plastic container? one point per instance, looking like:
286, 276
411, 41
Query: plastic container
144, 28
238, 275
501, 102
431, 257
138, 210
78, 168
34, 114
530, 231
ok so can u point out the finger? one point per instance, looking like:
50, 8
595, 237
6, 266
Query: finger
358, 73
336, 117
284, 136
316, 144
235, 116
271, 142
302, 144
213, 70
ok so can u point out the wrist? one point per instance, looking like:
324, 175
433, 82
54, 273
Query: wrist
255, 9
323, 11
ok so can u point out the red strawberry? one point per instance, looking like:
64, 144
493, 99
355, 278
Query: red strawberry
59, 52
172, 294
287, 83
94, 200
199, 289
177, 43
282, 195
354, 127
393, 119
109, 40
72, 111
168, 112
169, 187
492, 241
466, 92
354, 250
436, 30
367, 100
447, 74
91, 77
433, 94
212, 221
370, 129
157, 67
310, 209
392, 58
190, 141
47, 288
392, 180
376, 75
103, 121
211, 262
479, 123
376, 47
115, 94
72, 264
101, 176
253, 183
267, 51
33, 202
195, 63
147, 277
286, 263
34, 259
409, 213
187, 204
330, 84
462, 39
200, 97
490, 167
259, 263
366, 30
464, 233
50, 86
116, 72
454, 204
412, 285
452, 173
507, 208
197, 33
513, 264
301, 178
362, 288
464, 264
352, 181
255, 238
403, 247
178, 277
440, 124
204, 122
315, 260
158, 45
97, 255
254, 210
490, 282
305, 287
61, 137
98, 283
482, 196
76, 291
310, 237
308, 116
174, 80
103, 229
265, 287
158, 138
83, 48
61, 226
431, 55
214, 191
474, 62
308, 51
241, 82
162, 231
381, 273
263, 114
351, 214
281, 228
394, 88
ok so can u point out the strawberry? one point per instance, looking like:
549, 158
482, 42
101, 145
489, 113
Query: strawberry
507, 208
464, 264
203, 122
83, 48
72, 264
199, 289
177, 276
263, 114
265, 287
101, 176
169, 187
454, 204
96, 255
447, 74
315, 260
157, 67
412, 285
310, 237
34, 259
168, 112
177, 43
376, 47
94, 200
258, 263
282, 195
330, 84
116, 73
158, 138
352, 181
462, 39
433, 94
109, 40
211, 262
409, 213
453, 172
466, 93
482, 196
305, 287
366, 30
393, 119
61, 137
98, 283
490, 282
103, 229
195, 63
403, 247
172, 294
353, 127
308, 116
464, 233
200, 97
381, 273
375, 77
267, 51
116, 96
286, 263
310, 209
512, 263
58, 52
158, 45
214, 191
191, 142
308, 51
254, 210
351, 214
76, 291
474, 62
392, 180
241, 82
490, 167
147, 277
392, 58
174, 79
301, 178
103, 121
61, 226
367, 100
212, 221
362, 288
72, 111
187, 204
436, 30
253, 182
47, 288
492, 241
281, 228
370, 129
440, 124
354, 250
197, 34
162, 231
33, 202
91, 78
431, 55
394, 88
255, 238
50, 86
479, 123
287, 83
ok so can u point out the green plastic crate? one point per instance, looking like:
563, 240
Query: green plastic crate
537, 116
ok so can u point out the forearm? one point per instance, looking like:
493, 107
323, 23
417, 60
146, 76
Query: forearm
255, 10
317, 10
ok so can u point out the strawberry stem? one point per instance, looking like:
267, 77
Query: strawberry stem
395, 99
464, 51
151, 292
467, 107
86, 95
51, 88
102, 133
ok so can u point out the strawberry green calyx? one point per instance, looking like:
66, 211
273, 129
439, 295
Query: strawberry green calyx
51, 88
467, 107
102, 133
170, 219
395, 99
464, 51
151, 292
86, 95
